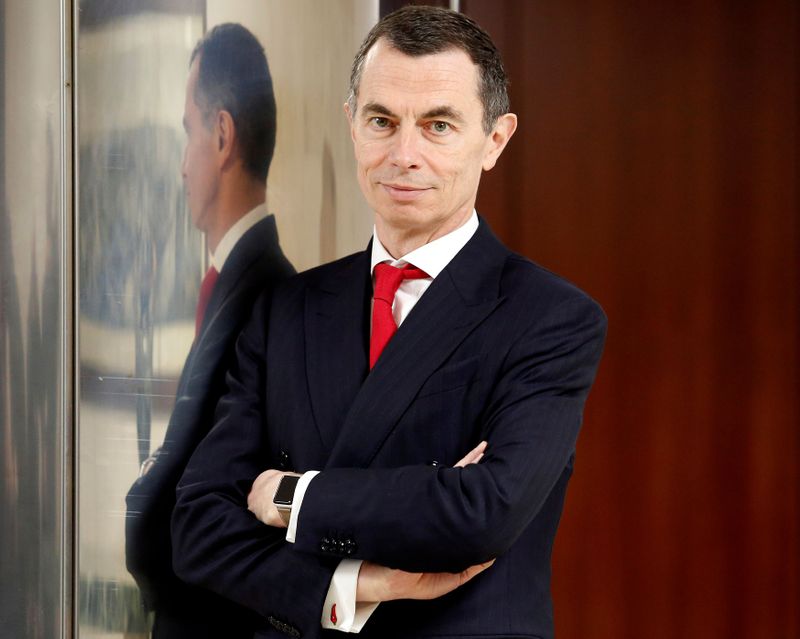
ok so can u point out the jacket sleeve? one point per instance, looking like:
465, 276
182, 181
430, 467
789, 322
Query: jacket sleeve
217, 543
421, 518
151, 498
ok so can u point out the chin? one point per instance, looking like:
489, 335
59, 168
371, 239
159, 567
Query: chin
403, 215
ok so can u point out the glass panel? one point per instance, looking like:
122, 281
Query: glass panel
141, 259
140, 262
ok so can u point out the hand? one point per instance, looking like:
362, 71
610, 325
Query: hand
259, 500
148, 463
378, 583
473, 456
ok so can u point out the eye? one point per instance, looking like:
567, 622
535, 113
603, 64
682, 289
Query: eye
379, 122
439, 127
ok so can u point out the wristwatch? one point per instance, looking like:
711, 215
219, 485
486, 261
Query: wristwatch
284, 495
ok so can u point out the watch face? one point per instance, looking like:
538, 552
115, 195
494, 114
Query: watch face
285, 493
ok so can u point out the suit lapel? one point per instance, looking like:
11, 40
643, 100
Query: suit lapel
259, 243
250, 247
336, 329
255, 244
458, 300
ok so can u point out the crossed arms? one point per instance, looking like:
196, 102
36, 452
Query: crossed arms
375, 583
452, 519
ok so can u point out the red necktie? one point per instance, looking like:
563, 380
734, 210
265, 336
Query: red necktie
202, 301
387, 281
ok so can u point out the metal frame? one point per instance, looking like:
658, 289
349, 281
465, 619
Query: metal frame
69, 447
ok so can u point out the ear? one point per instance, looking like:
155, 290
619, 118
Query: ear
350, 115
496, 141
225, 136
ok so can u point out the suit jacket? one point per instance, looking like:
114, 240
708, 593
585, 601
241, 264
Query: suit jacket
497, 348
254, 263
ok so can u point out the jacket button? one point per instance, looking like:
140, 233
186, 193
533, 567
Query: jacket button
434, 463
284, 461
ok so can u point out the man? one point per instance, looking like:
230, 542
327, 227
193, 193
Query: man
229, 119
489, 347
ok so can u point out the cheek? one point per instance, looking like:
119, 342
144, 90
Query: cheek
194, 159
370, 155
463, 170
446, 161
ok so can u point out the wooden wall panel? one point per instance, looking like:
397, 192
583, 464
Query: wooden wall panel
656, 166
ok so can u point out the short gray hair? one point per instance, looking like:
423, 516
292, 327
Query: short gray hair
424, 30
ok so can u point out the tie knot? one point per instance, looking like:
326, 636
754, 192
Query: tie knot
388, 278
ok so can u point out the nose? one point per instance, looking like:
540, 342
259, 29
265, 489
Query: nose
405, 152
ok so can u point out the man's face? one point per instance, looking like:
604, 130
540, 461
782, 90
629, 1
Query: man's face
199, 170
419, 141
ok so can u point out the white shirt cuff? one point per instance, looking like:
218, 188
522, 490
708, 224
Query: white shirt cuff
341, 611
297, 500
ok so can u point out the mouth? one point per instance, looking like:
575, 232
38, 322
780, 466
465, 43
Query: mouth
404, 192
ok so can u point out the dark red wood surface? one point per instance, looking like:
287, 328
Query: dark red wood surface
656, 166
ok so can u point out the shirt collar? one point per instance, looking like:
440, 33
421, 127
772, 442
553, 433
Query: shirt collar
235, 233
432, 257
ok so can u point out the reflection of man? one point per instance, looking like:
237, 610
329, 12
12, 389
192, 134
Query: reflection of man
489, 347
229, 119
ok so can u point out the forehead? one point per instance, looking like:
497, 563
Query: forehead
191, 82
394, 79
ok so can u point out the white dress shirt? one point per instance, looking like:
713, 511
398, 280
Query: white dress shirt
235, 233
431, 258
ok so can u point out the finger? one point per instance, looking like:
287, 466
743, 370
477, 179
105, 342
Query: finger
478, 452
474, 571
472, 456
434, 585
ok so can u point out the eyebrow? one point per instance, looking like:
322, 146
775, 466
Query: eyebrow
443, 112
437, 112
374, 107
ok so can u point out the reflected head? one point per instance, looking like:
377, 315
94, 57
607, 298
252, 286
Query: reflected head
233, 76
423, 30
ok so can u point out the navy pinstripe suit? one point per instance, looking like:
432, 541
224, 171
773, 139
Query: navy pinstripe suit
497, 349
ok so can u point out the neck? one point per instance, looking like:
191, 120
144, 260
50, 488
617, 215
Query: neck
235, 201
401, 241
